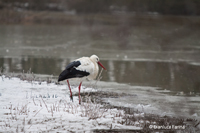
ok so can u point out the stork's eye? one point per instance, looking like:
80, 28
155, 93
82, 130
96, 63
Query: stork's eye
97, 59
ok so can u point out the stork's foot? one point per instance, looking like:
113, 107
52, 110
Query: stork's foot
71, 98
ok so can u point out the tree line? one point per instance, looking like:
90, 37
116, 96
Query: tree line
173, 7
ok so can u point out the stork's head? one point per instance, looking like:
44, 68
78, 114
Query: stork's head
96, 59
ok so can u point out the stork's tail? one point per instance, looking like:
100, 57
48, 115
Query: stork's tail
63, 75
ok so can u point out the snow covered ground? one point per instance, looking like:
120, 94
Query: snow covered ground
40, 106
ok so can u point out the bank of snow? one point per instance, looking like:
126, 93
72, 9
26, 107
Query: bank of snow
41, 106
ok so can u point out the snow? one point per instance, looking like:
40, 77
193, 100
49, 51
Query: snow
40, 106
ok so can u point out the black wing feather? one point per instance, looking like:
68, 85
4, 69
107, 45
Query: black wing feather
71, 72
73, 64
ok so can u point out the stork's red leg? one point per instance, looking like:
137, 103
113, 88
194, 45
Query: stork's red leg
70, 91
79, 93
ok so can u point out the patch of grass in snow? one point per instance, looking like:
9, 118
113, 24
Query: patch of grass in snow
28, 76
37, 113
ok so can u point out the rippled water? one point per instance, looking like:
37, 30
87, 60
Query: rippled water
175, 77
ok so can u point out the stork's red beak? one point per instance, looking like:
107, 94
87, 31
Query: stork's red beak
101, 65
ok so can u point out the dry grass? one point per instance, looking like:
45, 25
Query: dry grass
28, 76
21, 119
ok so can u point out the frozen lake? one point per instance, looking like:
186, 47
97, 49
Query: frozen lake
157, 63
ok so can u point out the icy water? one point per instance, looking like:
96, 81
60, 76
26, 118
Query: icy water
176, 77
157, 60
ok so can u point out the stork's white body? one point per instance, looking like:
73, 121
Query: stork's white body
81, 69
88, 65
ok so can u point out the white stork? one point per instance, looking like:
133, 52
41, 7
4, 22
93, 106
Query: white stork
81, 69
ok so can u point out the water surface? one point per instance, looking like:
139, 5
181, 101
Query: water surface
176, 77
